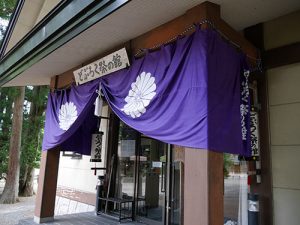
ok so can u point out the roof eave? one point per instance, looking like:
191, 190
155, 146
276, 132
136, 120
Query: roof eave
12, 22
62, 24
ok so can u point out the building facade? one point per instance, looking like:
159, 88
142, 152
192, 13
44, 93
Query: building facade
169, 184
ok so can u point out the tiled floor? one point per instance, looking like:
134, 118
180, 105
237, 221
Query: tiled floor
88, 218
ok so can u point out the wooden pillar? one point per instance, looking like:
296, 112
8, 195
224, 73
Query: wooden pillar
203, 187
46, 194
45, 199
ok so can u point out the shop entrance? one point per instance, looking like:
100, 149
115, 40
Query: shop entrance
152, 181
146, 173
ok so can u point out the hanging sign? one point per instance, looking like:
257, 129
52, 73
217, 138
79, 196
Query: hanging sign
96, 150
254, 134
109, 64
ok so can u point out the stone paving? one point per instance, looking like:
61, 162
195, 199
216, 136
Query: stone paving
21, 213
88, 218
67, 212
11, 214
235, 199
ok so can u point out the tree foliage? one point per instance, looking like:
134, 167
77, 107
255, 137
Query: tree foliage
10, 192
34, 116
33, 122
6, 102
228, 163
6, 94
6, 8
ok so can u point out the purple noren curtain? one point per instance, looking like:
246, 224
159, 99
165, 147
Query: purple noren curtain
70, 120
192, 93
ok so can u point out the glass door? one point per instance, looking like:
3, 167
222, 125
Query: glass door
145, 174
126, 163
176, 190
151, 182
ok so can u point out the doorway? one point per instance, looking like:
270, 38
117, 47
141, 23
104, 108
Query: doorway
152, 181
146, 173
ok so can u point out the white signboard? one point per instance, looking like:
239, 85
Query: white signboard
156, 164
109, 64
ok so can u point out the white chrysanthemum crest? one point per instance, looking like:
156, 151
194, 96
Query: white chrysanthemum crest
67, 115
139, 96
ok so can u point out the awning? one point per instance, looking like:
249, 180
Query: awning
193, 93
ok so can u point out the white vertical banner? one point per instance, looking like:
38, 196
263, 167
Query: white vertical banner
254, 126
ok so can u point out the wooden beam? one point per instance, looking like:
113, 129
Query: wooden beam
282, 56
205, 11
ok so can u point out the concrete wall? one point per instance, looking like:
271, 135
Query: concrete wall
284, 116
76, 174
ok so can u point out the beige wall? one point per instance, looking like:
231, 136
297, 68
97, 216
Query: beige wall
282, 31
284, 106
284, 116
